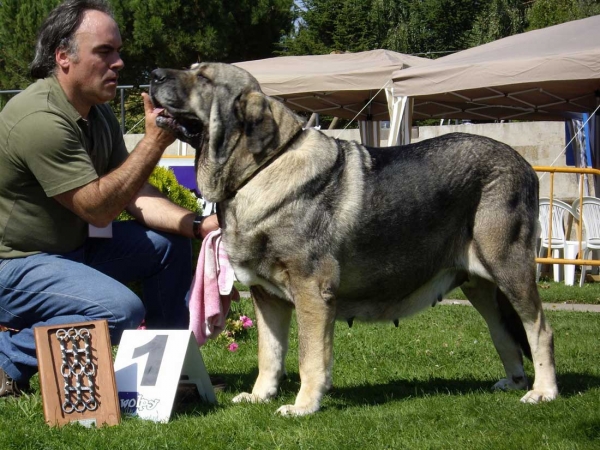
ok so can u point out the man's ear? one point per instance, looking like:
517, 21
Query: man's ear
62, 57
260, 128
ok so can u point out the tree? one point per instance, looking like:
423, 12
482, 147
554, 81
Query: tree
406, 26
19, 21
177, 33
355, 29
431, 27
498, 19
166, 33
544, 13
314, 31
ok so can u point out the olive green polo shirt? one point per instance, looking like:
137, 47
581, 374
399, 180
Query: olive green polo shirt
47, 148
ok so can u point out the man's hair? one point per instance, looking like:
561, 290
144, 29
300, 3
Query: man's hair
58, 31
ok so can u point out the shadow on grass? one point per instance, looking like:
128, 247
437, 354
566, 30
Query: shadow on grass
570, 384
374, 394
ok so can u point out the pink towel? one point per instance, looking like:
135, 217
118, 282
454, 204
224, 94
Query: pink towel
212, 289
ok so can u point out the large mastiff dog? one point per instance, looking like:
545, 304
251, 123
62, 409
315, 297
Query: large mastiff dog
341, 231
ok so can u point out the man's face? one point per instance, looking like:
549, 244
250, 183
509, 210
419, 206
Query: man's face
93, 71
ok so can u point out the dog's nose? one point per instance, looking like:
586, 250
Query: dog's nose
159, 76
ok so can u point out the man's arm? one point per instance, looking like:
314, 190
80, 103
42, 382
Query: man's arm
101, 201
156, 211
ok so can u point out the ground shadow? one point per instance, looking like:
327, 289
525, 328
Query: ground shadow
569, 384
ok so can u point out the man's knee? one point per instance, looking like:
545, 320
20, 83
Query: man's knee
173, 245
179, 244
128, 314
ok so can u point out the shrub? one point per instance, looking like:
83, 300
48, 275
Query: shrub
165, 181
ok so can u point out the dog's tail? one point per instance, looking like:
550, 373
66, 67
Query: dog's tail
513, 323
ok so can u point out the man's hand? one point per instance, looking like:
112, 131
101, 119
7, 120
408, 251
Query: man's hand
161, 137
210, 223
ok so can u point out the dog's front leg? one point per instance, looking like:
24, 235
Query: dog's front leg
273, 316
315, 313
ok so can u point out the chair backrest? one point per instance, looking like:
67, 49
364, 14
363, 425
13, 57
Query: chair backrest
591, 220
560, 212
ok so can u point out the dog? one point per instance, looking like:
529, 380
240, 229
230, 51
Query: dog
340, 231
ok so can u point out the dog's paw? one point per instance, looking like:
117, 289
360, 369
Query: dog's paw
246, 397
507, 384
537, 396
296, 411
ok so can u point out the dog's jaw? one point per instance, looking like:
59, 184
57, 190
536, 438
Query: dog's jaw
182, 132
174, 115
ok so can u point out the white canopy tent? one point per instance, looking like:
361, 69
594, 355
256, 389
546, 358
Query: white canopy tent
545, 74
345, 85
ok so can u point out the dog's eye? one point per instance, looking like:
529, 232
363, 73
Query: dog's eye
201, 77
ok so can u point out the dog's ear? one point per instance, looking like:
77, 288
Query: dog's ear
268, 124
259, 127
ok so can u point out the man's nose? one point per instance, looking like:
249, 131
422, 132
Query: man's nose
118, 64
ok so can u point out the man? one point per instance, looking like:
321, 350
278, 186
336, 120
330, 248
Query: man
64, 169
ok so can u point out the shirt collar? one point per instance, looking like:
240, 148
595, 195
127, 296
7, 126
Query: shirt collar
59, 98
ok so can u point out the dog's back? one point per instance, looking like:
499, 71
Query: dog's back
422, 205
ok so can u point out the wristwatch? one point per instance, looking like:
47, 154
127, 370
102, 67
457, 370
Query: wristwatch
197, 226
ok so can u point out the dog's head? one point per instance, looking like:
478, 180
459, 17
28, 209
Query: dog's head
220, 110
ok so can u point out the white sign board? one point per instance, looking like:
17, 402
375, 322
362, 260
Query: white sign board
149, 366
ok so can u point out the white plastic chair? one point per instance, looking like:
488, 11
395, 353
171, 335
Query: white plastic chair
561, 212
591, 225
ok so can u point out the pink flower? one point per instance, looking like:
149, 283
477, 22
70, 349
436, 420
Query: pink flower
246, 322
233, 347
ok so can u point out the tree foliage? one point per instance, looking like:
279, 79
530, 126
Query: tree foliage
19, 21
167, 33
177, 33
544, 13
433, 27
405, 26
497, 19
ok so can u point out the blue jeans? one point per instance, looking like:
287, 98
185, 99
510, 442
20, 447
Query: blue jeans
87, 284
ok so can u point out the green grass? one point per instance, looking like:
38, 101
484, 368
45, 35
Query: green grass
423, 385
551, 292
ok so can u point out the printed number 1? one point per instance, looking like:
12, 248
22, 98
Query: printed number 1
155, 349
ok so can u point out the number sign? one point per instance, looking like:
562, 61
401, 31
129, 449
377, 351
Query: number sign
149, 367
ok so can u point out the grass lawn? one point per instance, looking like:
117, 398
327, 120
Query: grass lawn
423, 385
552, 292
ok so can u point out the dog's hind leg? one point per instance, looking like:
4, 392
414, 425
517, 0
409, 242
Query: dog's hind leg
539, 334
483, 295
273, 316
504, 245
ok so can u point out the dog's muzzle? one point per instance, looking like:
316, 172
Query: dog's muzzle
164, 94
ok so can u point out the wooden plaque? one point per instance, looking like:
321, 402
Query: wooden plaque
59, 406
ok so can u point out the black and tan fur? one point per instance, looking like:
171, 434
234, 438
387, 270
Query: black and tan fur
340, 231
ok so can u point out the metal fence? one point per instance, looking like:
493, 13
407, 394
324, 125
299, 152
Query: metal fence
6, 94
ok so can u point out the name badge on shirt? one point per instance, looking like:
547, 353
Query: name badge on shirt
104, 232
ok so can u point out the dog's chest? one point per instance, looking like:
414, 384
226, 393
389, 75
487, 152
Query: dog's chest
252, 256
249, 277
